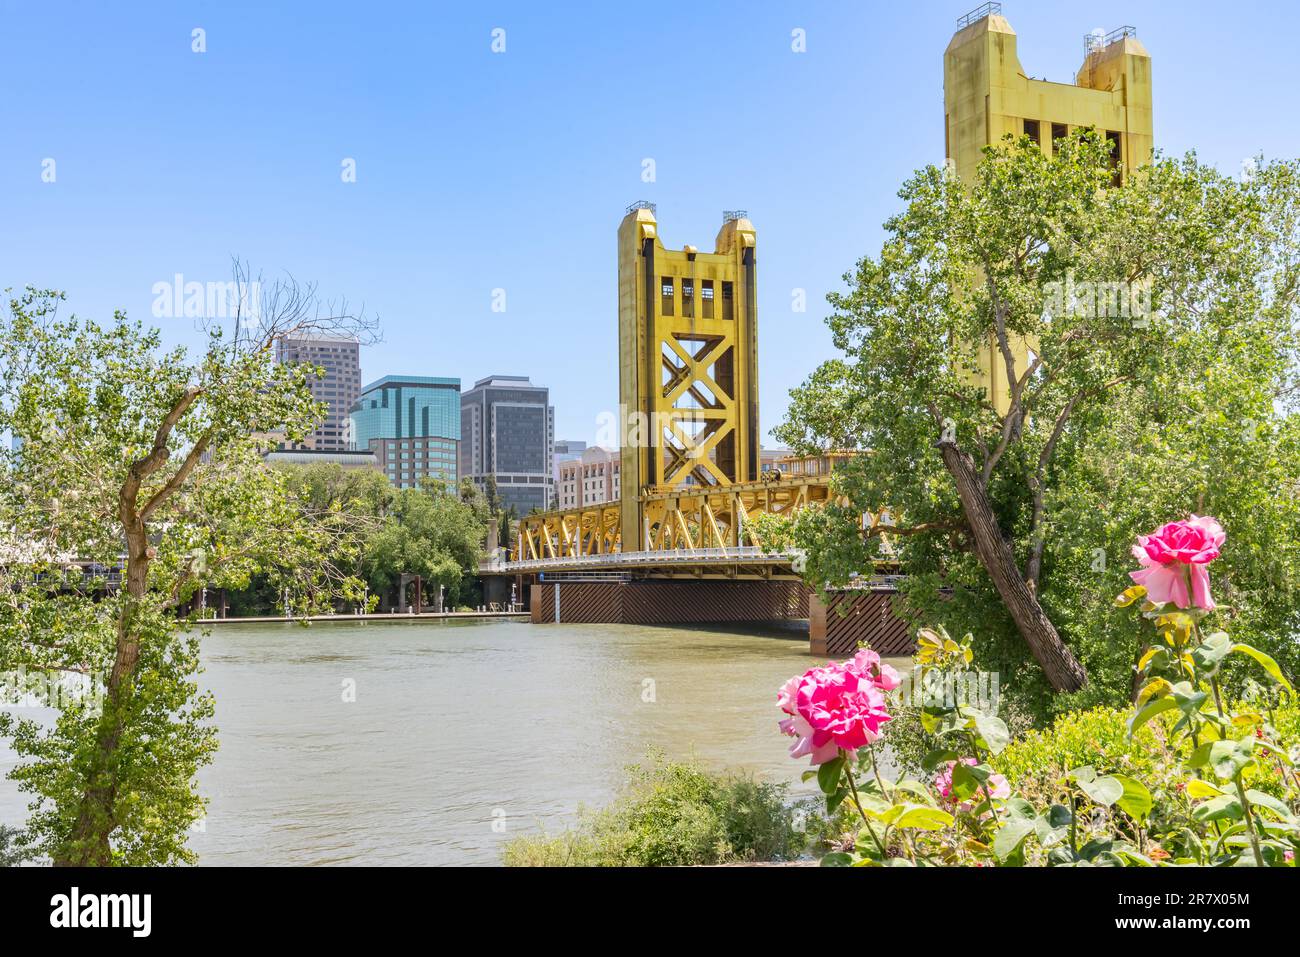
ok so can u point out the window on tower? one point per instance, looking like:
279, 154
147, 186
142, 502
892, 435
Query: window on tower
666, 296
1031, 130
688, 298
728, 302
1116, 143
1059, 132
706, 299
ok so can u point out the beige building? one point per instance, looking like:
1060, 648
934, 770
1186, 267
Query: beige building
591, 479
339, 388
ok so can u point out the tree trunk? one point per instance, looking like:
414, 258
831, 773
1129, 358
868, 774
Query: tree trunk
88, 844
1059, 664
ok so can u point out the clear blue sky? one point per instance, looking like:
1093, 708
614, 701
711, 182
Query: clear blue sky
478, 170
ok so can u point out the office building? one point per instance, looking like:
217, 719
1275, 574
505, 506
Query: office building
411, 424
590, 479
339, 389
507, 431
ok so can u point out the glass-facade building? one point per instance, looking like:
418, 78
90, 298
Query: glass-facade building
508, 432
412, 425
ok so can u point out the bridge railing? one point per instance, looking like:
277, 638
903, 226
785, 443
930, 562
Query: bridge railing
685, 556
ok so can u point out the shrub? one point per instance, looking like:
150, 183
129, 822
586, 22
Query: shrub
673, 813
1097, 737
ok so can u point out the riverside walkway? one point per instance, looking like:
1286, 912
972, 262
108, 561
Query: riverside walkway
374, 616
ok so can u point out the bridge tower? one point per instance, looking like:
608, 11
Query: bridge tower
688, 369
988, 96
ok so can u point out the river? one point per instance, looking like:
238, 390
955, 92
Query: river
434, 742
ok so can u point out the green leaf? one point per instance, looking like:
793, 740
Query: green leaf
1260, 799
1152, 709
1058, 815
1198, 788
828, 775
1225, 757
889, 815
836, 859
1188, 699
924, 818
1212, 650
1019, 807
833, 801
1223, 808
1010, 836
938, 757
992, 729
1136, 800
1100, 790
916, 789
1267, 663
964, 781
1096, 847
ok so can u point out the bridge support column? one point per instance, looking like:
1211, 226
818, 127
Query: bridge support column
847, 619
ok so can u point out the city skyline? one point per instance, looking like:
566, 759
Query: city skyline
475, 183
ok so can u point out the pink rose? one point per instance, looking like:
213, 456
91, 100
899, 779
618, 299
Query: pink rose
835, 707
867, 664
1175, 555
997, 784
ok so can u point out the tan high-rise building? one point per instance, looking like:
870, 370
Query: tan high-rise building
988, 96
339, 389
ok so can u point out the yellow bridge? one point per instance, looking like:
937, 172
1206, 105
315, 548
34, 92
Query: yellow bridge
692, 545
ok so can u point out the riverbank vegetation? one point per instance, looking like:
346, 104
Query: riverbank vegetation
384, 537
921, 770
673, 813
1199, 769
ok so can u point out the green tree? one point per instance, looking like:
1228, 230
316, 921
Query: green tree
428, 532
1018, 519
12, 850
350, 505
492, 495
146, 459
472, 496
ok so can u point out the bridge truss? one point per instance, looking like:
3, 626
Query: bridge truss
682, 519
